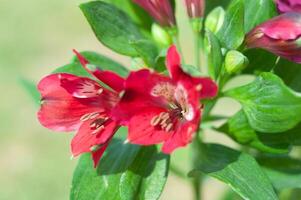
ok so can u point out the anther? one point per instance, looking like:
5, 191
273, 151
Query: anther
164, 120
98, 128
85, 117
164, 125
168, 127
93, 115
99, 91
199, 87
155, 120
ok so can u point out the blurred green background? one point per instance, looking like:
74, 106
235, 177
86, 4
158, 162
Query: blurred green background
36, 36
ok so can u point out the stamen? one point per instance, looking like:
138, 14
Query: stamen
85, 117
199, 87
168, 127
93, 124
164, 115
155, 120
99, 91
163, 121
94, 115
163, 125
98, 128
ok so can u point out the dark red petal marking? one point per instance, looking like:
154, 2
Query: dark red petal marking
82, 87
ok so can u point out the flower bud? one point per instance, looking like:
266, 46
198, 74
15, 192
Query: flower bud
160, 10
235, 62
280, 35
288, 6
161, 36
195, 8
215, 19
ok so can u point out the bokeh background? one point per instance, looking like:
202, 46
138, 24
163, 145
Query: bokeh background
36, 36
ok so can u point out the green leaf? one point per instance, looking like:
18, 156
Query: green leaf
191, 70
270, 106
112, 26
215, 19
230, 195
290, 73
231, 34
31, 88
284, 172
137, 14
210, 5
147, 51
238, 128
72, 68
239, 170
258, 11
215, 56
125, 172
260, 61
99, 60
104, 63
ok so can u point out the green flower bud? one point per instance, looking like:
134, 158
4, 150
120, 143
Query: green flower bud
235, 61
196, 24
161, 36
215, 19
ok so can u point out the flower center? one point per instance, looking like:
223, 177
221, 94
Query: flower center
164, 121
98, 122
178, 105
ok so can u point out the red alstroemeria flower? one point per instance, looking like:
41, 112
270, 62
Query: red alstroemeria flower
288, 6
160, 10
195, 8
158, 108
280, 35
71, 103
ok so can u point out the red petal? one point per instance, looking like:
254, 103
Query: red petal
85, 138
81, 87
111, 79
173, 63
90, 91
96, 155
142, 132
285, 27
138, 94
206, 86
181, 137
59, 110
143, 81
129, 105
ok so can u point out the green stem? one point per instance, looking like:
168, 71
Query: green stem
197, 181
173, 32
197, 50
